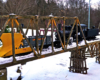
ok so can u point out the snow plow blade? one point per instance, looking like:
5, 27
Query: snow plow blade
6, 49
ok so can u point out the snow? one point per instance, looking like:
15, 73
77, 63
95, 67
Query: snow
52, 68
55, 68
11, 72
5, 60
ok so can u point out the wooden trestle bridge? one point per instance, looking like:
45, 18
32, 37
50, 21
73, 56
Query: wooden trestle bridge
78, 53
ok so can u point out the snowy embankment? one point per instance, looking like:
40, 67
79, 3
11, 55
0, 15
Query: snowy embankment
52, 68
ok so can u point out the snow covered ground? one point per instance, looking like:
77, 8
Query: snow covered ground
54, 68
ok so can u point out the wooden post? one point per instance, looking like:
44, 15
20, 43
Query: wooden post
36, 25
45, 36
52, 35
64, 32
12, 17
26, 39
84, 39
77, 34
28, 27
78, 61
3, 74
32, 22
58, 34
71, 33
33, 29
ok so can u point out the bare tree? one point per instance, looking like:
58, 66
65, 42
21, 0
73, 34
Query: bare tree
72, 8
95, 16
1, 4
19, 7
77, 8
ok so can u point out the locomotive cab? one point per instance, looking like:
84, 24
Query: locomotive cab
89, 33
67, 32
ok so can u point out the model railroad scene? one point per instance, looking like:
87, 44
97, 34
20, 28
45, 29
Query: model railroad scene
60, 37
53, 45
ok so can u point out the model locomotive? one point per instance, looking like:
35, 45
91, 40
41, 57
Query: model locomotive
88, 33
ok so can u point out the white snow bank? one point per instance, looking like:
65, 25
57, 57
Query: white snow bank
11, 72
56, 68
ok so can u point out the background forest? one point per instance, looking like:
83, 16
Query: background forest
70, 8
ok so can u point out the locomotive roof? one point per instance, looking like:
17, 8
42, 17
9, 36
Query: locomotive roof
82, 25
